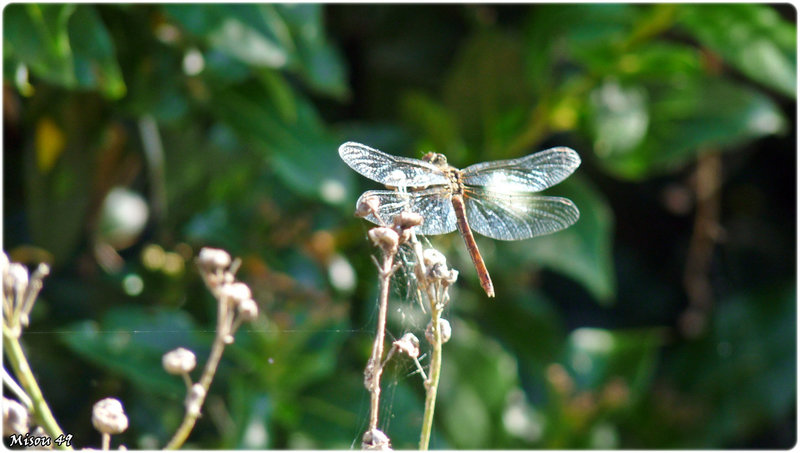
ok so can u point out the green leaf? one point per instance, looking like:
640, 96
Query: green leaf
659, 62
753, 38
595, 356
436, 123
131, 342
60, 192
477, 376
318, 62
620, 117
486, 81
37, 35
253, 34
582, 251
682, 120
748, 379
67, 45
303, 153
94, 56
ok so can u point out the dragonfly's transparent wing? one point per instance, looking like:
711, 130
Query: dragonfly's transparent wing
515, 216
531, 173
432, 204
390, 170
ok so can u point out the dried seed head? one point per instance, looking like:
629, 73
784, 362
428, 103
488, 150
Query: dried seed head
16, 279
248, 309
375, 439
4, 264
385, 238
433, 257
408, 344
213, 259
444, 327
108, 417
406, 220
367, 206
194, 399
15, 417
179, 361
236, 292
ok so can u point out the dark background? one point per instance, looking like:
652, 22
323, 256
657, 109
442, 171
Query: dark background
665, 318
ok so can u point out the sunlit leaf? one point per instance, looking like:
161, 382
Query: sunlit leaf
254, 34
620, 118
595, 356
751, 37
320, 63
688, 118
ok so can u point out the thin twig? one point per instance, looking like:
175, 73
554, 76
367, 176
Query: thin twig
701, 245
374, 369
432, 383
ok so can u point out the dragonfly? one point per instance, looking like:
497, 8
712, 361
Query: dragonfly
497, 199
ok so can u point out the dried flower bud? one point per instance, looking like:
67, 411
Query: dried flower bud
108, 417
375, 439
236, 292
195, 398
408, 344
248, 309
179, 361
213, 259
444, 327
406, 220
385, 238
15, 417
433, 257
367, 206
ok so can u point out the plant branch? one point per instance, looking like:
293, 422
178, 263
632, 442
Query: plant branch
22, 370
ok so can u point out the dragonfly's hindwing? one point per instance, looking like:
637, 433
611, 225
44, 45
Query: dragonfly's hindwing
515, 216
432, 204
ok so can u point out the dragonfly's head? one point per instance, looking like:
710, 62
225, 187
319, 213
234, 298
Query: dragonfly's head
436, 159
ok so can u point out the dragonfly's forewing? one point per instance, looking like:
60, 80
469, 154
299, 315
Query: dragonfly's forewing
532, 173
432, 204
390, 170
515, 216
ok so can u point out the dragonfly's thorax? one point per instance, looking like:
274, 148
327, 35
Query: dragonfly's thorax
453, 174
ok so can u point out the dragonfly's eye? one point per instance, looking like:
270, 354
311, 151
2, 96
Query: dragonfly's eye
436, 159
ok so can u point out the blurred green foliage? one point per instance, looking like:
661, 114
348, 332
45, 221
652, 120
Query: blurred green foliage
223, 121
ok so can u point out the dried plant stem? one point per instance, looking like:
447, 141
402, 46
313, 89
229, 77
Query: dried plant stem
190, 417
106, 441
374, 369
432, 383
22, 370
701, 247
